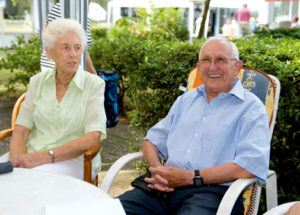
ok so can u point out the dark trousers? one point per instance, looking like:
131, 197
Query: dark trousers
183, 201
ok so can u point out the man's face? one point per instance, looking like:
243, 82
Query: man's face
67, 52
218, 67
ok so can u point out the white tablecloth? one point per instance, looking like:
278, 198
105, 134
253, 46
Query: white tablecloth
33, 192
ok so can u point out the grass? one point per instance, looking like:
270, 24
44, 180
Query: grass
5, 75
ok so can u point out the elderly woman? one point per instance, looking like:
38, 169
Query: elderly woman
63, 113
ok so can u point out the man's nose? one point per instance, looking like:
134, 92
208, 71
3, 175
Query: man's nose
213, 64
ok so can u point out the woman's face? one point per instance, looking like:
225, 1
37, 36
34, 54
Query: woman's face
66, 52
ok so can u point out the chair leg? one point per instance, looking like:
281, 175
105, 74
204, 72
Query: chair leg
271, 190
87, 172
95, 181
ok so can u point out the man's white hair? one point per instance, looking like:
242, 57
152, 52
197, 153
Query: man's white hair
58, 27
224, 40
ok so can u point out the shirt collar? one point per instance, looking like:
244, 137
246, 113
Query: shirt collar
237, 90
78, 79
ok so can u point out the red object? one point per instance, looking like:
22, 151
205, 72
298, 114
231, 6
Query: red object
243, 15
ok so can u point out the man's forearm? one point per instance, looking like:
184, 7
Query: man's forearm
224, 173
150, 154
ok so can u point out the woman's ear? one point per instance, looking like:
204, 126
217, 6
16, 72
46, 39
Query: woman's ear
49, 53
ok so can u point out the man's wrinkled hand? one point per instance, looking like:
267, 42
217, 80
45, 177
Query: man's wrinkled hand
156, 182
172, 176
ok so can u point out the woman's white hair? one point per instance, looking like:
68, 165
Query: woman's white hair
58, 27
231, 45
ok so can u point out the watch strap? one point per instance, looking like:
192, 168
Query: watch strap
197, 180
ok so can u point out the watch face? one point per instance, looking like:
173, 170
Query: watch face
198, 181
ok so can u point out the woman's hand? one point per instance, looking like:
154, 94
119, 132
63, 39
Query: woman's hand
29, 160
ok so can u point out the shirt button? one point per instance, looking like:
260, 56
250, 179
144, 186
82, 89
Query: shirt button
196, 135
188, 150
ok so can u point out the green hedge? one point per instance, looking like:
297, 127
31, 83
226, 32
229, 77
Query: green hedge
278, 32
22, 59
280, 57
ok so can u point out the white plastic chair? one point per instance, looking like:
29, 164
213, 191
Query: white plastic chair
280, 209
238, 186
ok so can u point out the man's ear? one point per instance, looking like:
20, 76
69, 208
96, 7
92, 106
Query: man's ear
238, 66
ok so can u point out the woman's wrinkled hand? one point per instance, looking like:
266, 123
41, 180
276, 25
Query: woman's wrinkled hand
28, 160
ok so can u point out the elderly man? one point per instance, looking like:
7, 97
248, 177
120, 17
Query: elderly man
211, 136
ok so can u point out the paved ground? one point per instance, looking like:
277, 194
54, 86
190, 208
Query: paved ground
114, 147
5, 119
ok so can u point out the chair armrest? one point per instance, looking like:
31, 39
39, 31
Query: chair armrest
87, 166
231, 195
5, 133
91, 153
116, 167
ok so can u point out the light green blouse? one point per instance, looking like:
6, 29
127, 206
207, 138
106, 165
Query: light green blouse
52, 124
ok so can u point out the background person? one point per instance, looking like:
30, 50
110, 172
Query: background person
243, 18
211, 136
63, 112
295, 23
226, 28
294, 209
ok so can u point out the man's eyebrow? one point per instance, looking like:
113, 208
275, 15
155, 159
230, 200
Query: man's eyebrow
63, 44
218, 56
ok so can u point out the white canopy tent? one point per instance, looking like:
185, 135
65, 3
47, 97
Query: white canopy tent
114, 9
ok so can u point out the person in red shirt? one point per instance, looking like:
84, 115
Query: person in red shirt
243, 18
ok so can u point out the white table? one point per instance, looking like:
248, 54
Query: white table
26, 191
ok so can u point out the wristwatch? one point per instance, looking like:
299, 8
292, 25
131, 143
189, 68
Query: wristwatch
197, 180
52, 155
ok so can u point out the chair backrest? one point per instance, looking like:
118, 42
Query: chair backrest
265, 87
16, 110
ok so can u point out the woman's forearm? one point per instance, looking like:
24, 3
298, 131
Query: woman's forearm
77, 147
73, 149
18, 142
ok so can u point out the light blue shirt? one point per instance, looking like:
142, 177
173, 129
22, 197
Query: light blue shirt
231, 128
